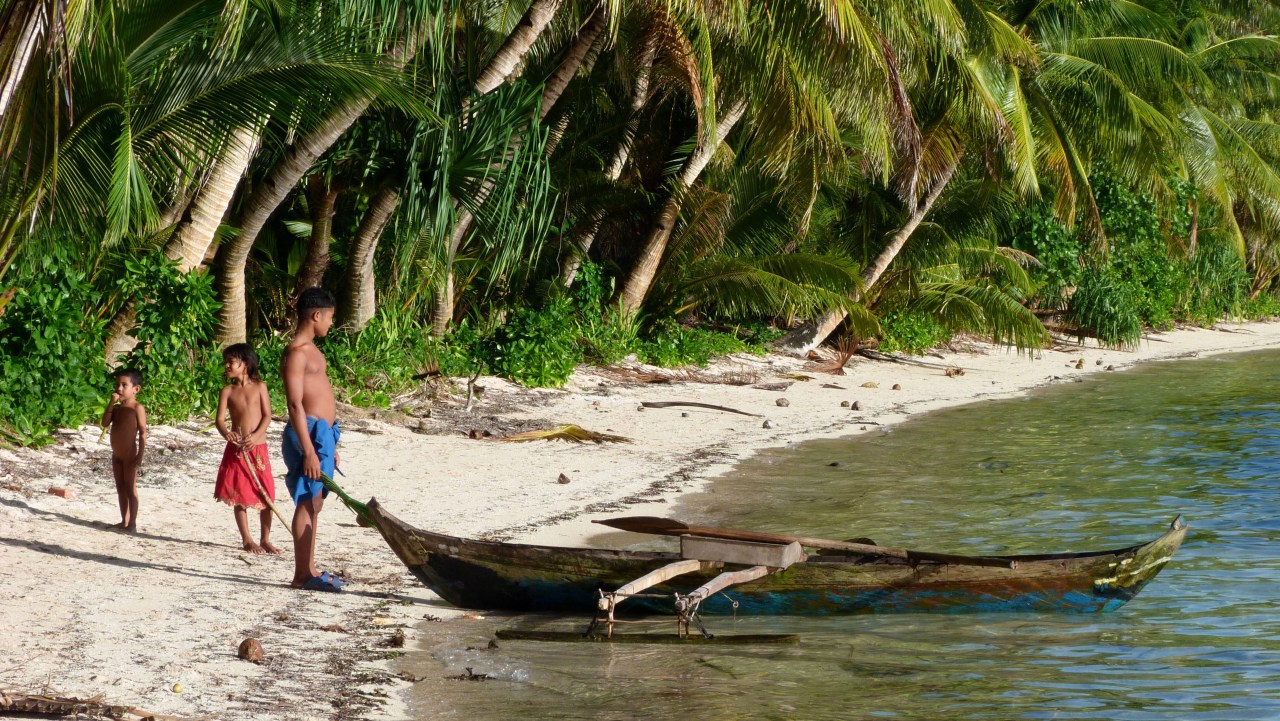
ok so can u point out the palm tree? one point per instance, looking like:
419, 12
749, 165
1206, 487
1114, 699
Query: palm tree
782, 66
1230, 152
654, 245
401, 30
1084, 94
501, 67
637, 97
142, 107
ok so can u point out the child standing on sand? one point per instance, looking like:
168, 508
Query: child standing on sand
244, 478
128, 421
310, 444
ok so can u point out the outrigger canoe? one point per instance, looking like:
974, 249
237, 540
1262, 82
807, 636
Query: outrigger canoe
783, 581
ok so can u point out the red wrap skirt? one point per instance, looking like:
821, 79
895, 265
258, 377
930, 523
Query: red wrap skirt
235, 487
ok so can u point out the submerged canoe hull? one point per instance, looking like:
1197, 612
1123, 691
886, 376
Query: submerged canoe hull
518, 577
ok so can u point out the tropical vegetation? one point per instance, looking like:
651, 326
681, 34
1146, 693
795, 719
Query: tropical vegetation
525, 185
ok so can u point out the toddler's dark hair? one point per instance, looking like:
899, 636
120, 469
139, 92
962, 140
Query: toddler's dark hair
315, 299
245, 354
133, 374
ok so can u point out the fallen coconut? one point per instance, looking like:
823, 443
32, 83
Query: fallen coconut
250, 650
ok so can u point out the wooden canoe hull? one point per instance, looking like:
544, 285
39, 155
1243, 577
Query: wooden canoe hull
518, 577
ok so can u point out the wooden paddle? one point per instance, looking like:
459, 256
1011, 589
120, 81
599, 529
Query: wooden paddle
262, 491
671, 527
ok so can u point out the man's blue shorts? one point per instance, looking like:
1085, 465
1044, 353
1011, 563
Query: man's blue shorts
324, 438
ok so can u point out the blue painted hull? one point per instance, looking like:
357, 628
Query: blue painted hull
518, 577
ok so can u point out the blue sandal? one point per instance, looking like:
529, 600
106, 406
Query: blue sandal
318, 583
334, 579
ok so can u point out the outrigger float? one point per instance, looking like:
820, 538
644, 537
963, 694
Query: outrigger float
766, 574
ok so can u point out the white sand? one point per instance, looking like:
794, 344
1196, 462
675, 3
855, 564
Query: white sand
85, 610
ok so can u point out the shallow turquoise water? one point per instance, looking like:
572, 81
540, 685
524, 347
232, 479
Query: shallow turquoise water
1084, 466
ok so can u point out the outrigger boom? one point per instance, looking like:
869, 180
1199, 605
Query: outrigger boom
700, 555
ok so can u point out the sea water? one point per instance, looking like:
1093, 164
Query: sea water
1077, 466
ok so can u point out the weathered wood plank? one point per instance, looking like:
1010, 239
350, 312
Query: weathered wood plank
747, 553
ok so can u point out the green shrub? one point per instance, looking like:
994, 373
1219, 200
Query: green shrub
539, 348
606, 333
674, 345
1221, 287
52, 371
371, 366
1266, 305
1058, 251
911, 332
176, 318
461, 352
270, 350
1102, 307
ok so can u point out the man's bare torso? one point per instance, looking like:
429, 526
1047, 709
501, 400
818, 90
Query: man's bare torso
317, 394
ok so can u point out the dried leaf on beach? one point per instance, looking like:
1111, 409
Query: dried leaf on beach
576, 434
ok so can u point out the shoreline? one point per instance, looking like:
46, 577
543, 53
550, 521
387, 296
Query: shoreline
91, 611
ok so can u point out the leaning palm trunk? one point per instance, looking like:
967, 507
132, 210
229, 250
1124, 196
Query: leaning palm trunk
500, 67
504, 62
360, 303
639, 97
582, 43
31, 20
323, 199
190, 242
646, 266
810, 335
275, 188
279, 183
192, 238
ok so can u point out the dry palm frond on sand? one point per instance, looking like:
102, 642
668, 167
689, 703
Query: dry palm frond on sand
845, 347
41, 705
575, 434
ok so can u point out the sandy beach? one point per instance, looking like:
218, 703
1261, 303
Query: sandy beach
154, 620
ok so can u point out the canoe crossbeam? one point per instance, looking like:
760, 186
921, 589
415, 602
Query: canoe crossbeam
608, 602
701, 554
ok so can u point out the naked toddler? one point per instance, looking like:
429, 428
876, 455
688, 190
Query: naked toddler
128, 421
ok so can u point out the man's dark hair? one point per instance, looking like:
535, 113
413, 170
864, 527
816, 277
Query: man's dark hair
245, 353
315, 299
133, 374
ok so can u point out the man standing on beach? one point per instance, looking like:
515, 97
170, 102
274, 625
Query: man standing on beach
310, 441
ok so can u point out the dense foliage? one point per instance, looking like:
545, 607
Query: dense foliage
531, 185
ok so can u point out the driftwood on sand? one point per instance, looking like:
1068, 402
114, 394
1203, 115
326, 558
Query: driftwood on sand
27, 704
670, 404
